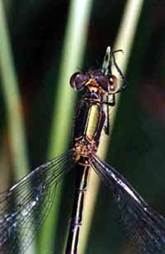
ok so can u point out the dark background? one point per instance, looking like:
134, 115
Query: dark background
37, 31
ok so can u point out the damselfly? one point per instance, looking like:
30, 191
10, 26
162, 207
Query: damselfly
146, 227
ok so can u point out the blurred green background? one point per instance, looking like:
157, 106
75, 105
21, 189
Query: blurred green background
38, 33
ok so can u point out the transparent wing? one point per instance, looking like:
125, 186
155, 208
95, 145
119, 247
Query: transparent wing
20, 206
145, 227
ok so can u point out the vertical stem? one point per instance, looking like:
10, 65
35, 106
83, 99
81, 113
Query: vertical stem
13, 104
124, 41
72, 57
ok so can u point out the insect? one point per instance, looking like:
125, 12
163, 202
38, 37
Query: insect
145, 226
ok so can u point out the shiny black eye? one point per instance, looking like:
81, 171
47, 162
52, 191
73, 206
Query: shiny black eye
78, 80
113, 84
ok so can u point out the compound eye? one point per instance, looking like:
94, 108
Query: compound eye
78, 80
113, 84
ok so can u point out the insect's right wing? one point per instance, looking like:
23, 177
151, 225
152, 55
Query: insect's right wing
30, 198
145, 227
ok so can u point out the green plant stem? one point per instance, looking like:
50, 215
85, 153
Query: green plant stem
123, 41
15, 124
72, 57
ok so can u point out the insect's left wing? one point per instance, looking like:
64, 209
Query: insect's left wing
146, 228
30, 198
